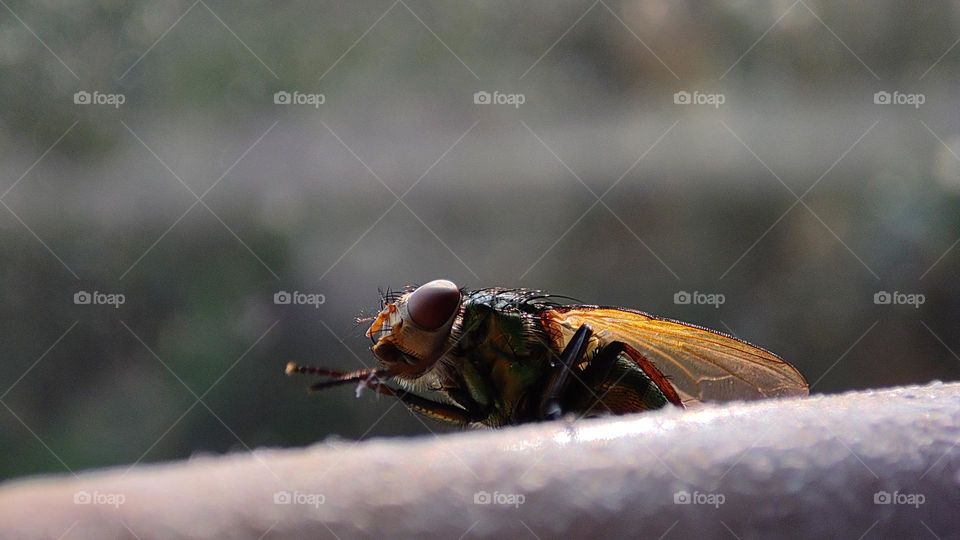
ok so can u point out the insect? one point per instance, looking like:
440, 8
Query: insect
500, 356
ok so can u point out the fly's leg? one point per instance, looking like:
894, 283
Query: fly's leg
435, 410
369, 378
601, 365
559, 378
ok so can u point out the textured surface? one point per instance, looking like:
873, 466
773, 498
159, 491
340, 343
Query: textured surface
792, 468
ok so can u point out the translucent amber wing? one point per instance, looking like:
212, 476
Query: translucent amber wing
701, 364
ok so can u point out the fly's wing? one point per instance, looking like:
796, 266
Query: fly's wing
701, 364
651, 371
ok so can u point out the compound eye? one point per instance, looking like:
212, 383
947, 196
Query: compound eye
432, 304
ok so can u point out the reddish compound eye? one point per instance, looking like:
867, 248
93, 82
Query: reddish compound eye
432, 304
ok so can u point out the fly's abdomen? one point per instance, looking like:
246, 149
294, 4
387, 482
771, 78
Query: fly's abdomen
626, 390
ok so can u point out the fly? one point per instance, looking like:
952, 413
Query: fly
500, 356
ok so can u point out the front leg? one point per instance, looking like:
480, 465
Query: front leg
559, 378
434, 410
370, 378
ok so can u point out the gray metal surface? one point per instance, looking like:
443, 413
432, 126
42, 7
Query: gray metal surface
880, 464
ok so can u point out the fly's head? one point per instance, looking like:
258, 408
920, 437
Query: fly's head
410, 332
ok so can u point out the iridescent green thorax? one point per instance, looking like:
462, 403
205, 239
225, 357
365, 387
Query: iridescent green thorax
503, 352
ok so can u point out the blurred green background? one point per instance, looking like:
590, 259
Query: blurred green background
303, 198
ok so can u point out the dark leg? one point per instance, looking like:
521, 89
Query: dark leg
559, 378
427, 407
599, 369
371, 378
